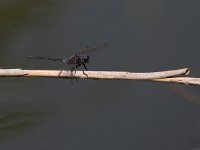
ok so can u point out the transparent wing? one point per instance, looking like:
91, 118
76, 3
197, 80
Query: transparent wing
89, 49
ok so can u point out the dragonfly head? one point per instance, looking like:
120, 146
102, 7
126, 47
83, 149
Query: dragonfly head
86, 59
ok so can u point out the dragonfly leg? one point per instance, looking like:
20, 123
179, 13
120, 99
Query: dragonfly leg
73, 69
85, 69
84, 66
61, 71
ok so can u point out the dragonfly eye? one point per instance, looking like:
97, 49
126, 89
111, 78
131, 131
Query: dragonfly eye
87, 58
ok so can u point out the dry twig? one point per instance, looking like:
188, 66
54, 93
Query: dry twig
171, 76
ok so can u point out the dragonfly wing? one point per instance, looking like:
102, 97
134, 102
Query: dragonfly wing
89, 49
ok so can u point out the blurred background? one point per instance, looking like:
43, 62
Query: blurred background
143, 35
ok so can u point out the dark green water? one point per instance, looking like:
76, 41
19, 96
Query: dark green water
143, 35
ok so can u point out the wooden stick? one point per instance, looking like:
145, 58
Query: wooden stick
170, 76
97, 75
183, 80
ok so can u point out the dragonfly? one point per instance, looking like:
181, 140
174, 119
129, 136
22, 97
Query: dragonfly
78, 59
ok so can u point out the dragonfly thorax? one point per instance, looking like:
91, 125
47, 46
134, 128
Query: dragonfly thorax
77, 59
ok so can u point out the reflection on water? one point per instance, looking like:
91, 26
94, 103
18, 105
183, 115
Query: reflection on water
15, 123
